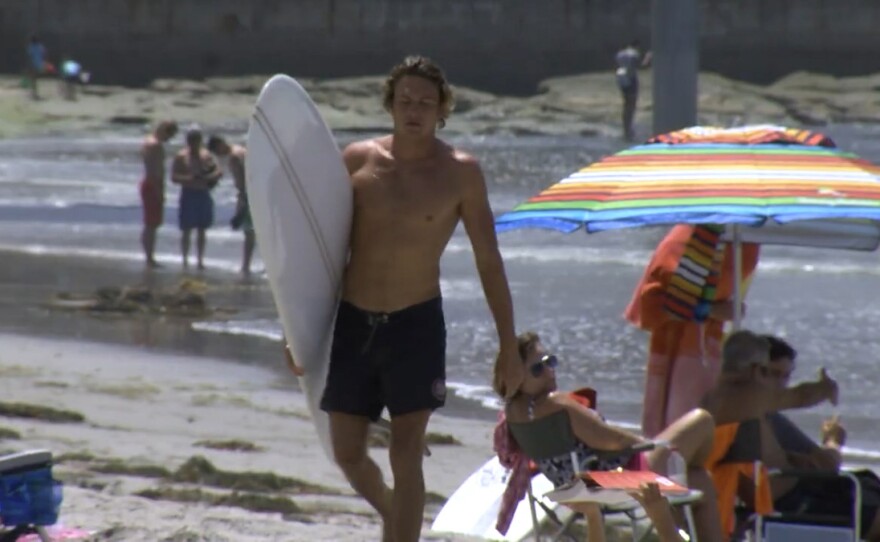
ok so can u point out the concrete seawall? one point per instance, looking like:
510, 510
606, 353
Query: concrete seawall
499, 45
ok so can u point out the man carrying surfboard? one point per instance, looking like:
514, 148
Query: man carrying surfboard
152, 186
389, 345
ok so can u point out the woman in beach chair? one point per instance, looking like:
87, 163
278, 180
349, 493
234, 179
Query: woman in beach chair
564, 437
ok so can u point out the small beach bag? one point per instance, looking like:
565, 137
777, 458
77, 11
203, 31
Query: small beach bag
28, 493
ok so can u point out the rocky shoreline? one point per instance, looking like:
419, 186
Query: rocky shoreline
586, 104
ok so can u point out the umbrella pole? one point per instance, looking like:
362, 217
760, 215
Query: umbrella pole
737, 277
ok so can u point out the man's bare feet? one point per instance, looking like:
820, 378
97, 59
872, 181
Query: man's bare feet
153, 264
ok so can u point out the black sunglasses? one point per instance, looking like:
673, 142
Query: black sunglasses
537, 368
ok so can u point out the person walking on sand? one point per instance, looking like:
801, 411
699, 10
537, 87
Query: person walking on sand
389, 344
152, 186
629, 60
241, 220
197, 173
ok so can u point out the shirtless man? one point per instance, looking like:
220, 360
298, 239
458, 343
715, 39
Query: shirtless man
197, 173
242, 218
744, 393
389, 345
801, 450
152, 186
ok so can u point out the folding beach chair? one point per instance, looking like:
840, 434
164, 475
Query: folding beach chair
804, 525
29, 497
552, 436
817, 524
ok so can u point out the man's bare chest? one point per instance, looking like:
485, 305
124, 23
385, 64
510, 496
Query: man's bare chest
415, 196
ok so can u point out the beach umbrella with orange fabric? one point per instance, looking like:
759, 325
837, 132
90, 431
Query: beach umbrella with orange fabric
762, 184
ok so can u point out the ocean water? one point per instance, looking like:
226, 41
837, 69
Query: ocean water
77, 197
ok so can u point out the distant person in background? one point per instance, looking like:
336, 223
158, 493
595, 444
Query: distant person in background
197, 173
71, 75
241, 220
152, 187
36, 65
629, 60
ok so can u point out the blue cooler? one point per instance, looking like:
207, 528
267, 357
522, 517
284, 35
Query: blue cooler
28, 494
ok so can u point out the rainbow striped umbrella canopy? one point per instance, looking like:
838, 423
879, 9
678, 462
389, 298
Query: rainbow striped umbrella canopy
753, 176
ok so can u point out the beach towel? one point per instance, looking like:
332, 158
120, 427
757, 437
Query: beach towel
684, 355
750, 135
727, 468
693, 286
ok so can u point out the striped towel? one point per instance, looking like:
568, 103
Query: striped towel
692, 287
745, 135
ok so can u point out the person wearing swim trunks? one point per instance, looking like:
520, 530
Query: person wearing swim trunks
197, 173
389, 345
241, 220
152, 186
744, 393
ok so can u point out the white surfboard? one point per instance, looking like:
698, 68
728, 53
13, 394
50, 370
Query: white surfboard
473, 508
300, 198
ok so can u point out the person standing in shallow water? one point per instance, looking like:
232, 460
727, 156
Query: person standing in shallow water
629, 60
389, 343
152, 186
236, 155
197, 173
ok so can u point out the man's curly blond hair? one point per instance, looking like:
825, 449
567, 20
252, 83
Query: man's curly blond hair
425, 68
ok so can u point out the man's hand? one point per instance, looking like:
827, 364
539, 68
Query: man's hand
291, 364
830, 385
511, 372
833, 432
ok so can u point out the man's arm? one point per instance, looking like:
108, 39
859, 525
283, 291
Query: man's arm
806, 394
479, 223
756, 400
590, 429
212, 170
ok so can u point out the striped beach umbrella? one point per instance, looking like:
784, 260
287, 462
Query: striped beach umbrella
788, 186
760, 184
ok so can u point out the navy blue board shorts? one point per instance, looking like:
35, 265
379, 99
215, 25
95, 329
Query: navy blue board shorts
387, 359
196, 209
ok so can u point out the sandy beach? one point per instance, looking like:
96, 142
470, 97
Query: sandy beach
151, 423
154, 397
189, 436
